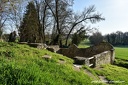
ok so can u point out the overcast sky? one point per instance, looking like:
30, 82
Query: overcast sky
114, 11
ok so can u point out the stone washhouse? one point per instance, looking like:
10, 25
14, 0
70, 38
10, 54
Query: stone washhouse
92, 56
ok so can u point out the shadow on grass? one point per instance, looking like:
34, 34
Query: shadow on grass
121, 63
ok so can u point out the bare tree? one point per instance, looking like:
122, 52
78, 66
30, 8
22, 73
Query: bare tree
89, 14
3, 16
42, 10
10, 14
59, 9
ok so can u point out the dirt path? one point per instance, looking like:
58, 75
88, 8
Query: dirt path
91, 75
99, 79
103, 80
77, 68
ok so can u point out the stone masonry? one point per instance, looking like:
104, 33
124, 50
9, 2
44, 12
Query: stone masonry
92, 56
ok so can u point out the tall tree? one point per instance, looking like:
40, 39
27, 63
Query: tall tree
59, 9
125, 38
29, 29
43, 16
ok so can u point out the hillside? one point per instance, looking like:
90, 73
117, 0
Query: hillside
24, 65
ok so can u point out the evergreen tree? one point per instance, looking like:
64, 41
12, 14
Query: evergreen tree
96, 38
78, 37
29, 29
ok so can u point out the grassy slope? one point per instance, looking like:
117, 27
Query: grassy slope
23, 65
116, 75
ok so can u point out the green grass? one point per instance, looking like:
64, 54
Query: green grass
90, 70
115, 74
121, 55
84, 44
24, 65
121, 52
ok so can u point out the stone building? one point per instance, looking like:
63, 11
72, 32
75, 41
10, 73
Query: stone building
92, 56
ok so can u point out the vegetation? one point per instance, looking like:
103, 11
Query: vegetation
29, 29
118, 38
114, 74
121, 52
21, 64
96, 38
39, 18
78, 36
27, 66
84, 44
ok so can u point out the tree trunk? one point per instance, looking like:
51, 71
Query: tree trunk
58, 28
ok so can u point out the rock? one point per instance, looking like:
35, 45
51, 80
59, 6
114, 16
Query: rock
22, 42
38, 45
53, 47
62, 61
47, 57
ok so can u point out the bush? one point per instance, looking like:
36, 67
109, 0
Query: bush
78, 37
96, 38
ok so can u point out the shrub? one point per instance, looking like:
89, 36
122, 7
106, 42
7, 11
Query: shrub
96, 38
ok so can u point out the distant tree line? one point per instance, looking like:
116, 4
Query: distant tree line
117, 38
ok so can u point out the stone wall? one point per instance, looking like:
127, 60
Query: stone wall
74, 51
102, 58
54, 47
102, 53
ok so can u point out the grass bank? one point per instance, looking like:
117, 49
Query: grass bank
24, 65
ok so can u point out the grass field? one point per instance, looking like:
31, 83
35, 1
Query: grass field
121, 52
121, 55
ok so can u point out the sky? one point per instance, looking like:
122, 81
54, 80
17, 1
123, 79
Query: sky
115, 13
